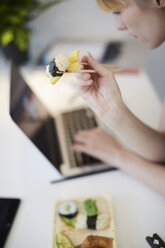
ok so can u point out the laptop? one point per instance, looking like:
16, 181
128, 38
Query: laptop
52, 136
8, 211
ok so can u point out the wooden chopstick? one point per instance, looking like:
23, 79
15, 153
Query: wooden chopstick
90, 71
105, 65
77, 71
93, 71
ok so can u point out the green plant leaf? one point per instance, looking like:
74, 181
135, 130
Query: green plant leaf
14, 20
15, 16
21, 39
7, 37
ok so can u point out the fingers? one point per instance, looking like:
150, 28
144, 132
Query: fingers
85, 141
84, 59
84, 79
84, 76
81, 142
86, 136
80, 148
85, 83
94, 64
81, 136
81, 67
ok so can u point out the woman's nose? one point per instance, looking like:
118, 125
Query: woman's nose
119, 23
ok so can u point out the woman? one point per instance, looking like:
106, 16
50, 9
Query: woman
145, 20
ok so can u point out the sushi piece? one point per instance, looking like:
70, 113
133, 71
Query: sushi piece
102, 221
63, 241
68, 209
61, 64
91, 222
91, 211
81, 221
93, 241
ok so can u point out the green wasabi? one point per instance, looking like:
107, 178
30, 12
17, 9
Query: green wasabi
90, 207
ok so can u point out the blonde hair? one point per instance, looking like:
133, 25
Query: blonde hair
112, 5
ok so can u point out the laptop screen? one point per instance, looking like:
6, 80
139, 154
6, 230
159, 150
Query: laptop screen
33, 118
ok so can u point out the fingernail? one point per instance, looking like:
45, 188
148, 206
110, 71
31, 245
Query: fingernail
88, 54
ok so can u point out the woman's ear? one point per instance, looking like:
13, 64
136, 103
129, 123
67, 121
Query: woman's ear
160, 3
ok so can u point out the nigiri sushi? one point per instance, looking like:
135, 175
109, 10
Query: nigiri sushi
61, 64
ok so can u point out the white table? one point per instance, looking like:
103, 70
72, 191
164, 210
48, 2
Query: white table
25, 173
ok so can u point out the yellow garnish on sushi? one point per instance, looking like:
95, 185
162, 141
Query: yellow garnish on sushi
61, 64
54, 79
73, 66
74, 56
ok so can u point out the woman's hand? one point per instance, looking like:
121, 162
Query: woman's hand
97, 143
99, 89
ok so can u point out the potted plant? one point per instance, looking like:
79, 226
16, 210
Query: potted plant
14, 31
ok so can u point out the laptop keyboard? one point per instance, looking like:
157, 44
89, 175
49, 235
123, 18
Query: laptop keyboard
74, 121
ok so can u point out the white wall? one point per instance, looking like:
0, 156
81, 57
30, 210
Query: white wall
72, 19
155, 66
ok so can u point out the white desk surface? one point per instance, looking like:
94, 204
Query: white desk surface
25, 173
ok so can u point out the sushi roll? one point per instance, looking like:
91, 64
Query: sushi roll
61, 64
68, 209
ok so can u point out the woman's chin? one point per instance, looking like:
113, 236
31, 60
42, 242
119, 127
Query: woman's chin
152, 45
